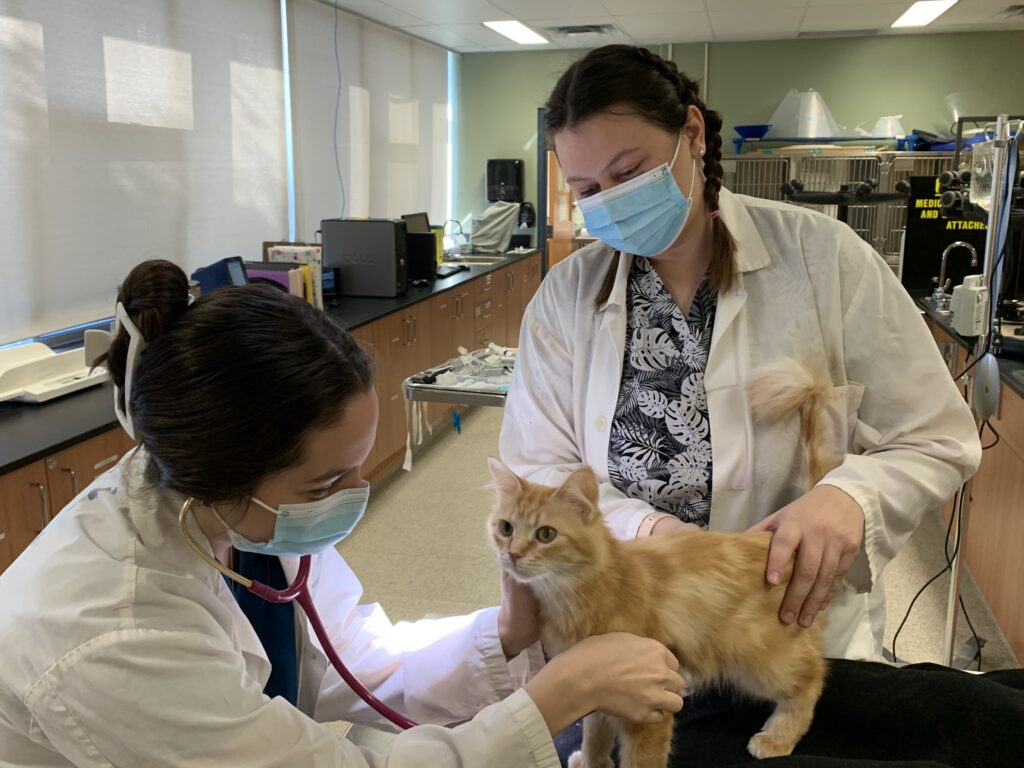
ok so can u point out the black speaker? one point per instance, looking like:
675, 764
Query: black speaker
421, 256
505, 180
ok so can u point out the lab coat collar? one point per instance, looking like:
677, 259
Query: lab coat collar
751, 253
154, 515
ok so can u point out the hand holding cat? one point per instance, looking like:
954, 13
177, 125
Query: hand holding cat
518, 617
824, 527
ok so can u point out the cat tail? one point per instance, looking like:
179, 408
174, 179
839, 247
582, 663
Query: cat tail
787, 388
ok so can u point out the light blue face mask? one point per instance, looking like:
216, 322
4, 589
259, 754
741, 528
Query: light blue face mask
642, 216
310, 528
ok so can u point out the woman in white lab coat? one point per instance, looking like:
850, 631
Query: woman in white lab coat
635, 353
122, 647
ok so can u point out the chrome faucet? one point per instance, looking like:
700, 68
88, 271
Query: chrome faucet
942, 286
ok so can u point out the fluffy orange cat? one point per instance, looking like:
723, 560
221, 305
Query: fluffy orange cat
703, 595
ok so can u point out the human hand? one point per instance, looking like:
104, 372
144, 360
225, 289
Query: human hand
671, 524
518, 617
635, 678
825, 528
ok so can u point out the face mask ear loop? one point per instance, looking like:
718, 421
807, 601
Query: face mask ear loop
136, 346
266, 507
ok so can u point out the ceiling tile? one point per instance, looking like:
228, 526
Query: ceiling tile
528, 10
378, 11
450, 11
443, 38
839, 18
753, 6
755, 25
679, 27
644, 7
975, 12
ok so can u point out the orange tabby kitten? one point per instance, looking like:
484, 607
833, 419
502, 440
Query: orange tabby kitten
703, 595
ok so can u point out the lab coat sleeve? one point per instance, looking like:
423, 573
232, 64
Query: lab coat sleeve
539, 434
434, 671
914, 438
170, 699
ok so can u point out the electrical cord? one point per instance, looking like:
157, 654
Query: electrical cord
337, 109
949, 562
906, 616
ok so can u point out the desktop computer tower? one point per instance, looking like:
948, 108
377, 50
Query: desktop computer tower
370, 255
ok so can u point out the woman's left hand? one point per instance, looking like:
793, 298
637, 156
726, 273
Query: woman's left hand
518, 617
825, 528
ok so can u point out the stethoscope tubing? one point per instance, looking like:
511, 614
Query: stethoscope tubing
298, 592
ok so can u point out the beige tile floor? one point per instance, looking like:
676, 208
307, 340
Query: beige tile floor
420, 549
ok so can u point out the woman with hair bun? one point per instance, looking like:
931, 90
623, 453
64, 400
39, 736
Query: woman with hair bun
123, 646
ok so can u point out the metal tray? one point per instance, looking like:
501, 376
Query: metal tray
482, 378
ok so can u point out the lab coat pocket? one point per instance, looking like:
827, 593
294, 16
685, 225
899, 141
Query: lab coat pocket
841, 414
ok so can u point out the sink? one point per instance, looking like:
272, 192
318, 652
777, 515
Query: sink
939, 306
480, 259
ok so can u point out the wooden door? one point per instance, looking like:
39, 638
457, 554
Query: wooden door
502, 296
396, 334
71, 470
516, 284
24, 509
368, 337
464, 332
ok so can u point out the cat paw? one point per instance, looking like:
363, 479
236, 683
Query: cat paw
576, 761
762, 745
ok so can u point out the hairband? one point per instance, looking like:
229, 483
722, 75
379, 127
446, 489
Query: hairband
715, 214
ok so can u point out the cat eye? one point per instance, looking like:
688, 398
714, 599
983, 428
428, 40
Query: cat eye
546, 534
504, 528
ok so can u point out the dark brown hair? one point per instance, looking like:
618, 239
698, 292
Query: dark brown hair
658, 92
227, 388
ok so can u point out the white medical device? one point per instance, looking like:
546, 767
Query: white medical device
969, 306
34, 373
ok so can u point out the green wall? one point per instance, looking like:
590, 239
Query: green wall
861, 79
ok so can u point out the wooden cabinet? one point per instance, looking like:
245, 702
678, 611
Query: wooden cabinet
71, 470
525, 280
24, 509
994, 537
368, 337
31, 496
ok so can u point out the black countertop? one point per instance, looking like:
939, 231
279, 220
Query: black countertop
30, 432
1011, 371
356, 311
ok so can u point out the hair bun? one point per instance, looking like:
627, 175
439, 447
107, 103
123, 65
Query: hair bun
154, 294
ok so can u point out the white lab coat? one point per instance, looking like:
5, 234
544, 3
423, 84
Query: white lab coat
809, 289
121, 647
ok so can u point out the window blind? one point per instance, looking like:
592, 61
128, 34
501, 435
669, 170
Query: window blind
132, 129
392, 127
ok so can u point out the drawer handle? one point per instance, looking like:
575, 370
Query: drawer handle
106, 461
74, 479
44, 503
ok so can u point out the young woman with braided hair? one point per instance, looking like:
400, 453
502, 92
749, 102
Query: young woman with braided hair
637, 352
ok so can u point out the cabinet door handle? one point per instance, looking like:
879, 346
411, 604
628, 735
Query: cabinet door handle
415, 335
109, 460
74, 479
44, 503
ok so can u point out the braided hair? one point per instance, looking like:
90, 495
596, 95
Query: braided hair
657, 91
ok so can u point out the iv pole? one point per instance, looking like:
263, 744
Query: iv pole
983, 392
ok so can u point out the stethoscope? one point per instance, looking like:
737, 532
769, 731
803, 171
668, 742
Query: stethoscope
297, 591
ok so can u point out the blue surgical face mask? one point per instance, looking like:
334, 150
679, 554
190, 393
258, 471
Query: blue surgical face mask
310, 528
642, 216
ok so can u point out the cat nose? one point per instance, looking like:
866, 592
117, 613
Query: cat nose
513, 556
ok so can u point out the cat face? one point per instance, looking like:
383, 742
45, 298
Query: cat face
540, 532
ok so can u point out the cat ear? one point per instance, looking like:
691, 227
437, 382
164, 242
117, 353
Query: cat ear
581, 488
506, 481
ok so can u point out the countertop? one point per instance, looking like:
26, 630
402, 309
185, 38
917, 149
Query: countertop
1011, 372
31, 432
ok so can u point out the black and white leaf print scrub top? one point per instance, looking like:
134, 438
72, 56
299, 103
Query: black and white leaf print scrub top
660, 445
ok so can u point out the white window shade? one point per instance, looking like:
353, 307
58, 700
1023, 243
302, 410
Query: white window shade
132, 130
392, 130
